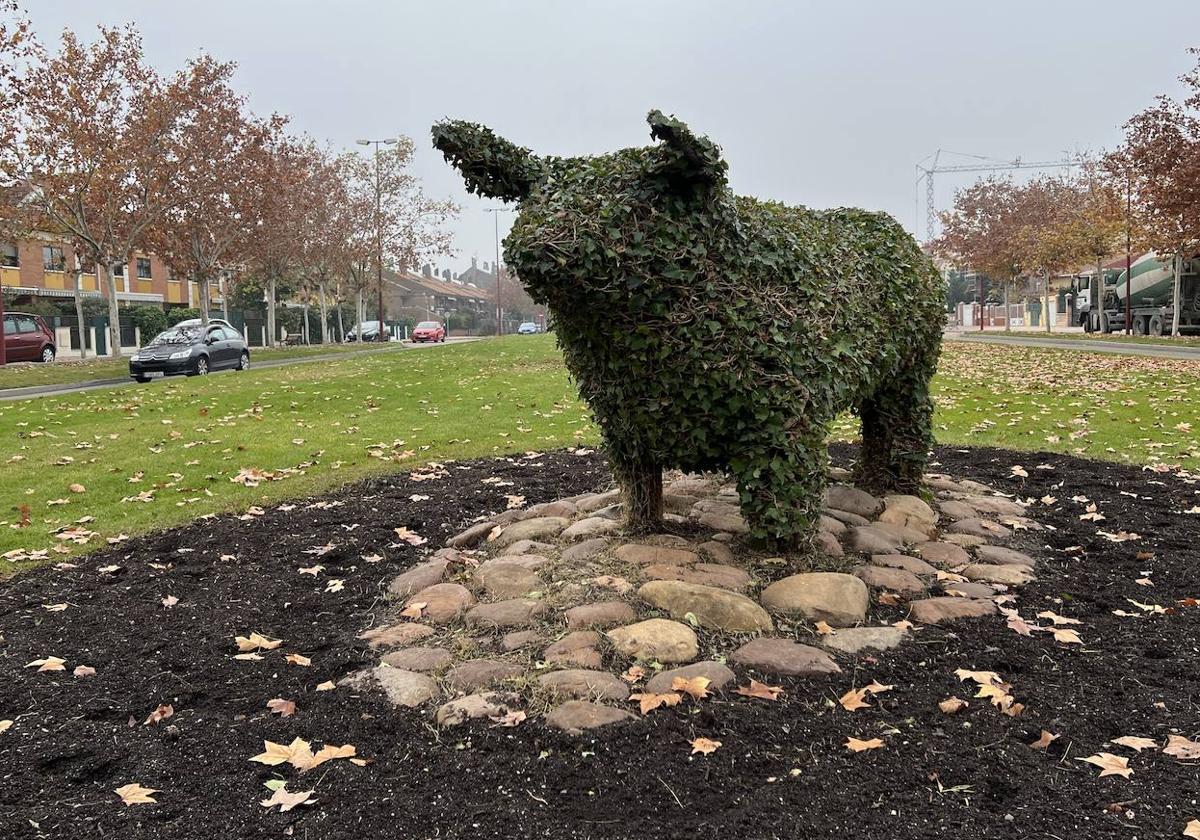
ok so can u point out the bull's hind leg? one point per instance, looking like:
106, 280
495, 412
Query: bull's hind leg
781, 485
897, 432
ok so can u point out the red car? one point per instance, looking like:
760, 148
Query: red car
429, 331
27, 338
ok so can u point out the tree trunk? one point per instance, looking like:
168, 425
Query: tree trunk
642, 486
1007, 311
1046, 308
224, 287
1176, 302
341, 325
305, 330
205, 298
324, 312
359, 314
114, 311
271, 336
79, 310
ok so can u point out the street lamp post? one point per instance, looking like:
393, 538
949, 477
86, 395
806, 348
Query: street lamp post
387, 141
496, 211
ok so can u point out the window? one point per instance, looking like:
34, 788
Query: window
143, 268
119, 270
25, 324
8, 255
52, 258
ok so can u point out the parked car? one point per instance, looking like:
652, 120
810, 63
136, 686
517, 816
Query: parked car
27, 338
428, 331
370, 332
528, 328
220, 322
190, 351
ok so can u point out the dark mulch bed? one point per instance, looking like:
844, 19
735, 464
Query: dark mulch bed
972, 775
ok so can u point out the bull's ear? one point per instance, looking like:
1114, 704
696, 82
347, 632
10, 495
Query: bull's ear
687, 156
491, 165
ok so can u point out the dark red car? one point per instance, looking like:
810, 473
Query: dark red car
27, 338
429, 331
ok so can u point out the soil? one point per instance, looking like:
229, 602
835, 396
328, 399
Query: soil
782, 770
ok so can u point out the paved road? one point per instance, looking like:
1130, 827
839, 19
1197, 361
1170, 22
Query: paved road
125, 382
1158, 351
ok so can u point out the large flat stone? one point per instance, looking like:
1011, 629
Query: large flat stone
581, 684
594, 502
444, 602
405, 688
718, 676
593, 526
520, 639
527, 547
417, 578
396, 635
507, 580
419, 659
715, 552
706, 574
990, 573
853, 640
997, 505
561, 507
1003, 556
488, 704
503, 615
943, 554
717, 609
472, 536
872, 539
909, 512
480, 673
578, 716
585, 550
537, 528
847, 518
851, 499
838, 599
655, 555
969, 589
600, 614
656, 639
834, 526
955, 510
903, 561
577, 649
949, 608
781, 656
980, 528
828, 544
894, 580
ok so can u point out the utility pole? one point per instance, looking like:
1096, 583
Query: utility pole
388, 141
3, 352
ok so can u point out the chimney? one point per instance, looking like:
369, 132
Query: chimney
473, 262
445, 274
427, 270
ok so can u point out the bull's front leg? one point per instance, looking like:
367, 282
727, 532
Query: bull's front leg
641, 486
781, 484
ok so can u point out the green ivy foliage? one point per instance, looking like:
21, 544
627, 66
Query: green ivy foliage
709, 331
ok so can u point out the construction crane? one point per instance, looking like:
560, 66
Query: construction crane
926, 171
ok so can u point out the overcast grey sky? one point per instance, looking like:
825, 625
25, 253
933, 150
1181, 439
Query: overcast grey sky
815, 103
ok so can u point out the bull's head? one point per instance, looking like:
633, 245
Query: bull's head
580, 218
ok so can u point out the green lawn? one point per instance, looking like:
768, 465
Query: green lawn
69, 370
153, 457
182, 442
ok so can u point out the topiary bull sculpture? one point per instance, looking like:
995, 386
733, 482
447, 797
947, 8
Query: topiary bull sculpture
709, 331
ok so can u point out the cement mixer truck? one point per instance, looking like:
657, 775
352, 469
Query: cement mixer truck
1152, 294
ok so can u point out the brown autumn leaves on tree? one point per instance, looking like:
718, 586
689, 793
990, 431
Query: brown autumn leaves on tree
1159, 161
101, 150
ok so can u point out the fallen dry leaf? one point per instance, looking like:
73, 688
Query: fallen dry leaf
135, 794
823, 629
84, 671
77, 488
1180, 747
50, 663
704, 746
328, 685
1109, 764
335, 585
54, 607
170, 601
1044, 740
854, 699
413, 610
514, 717
286, 800
297, 659
859, 745
256, 642
5, 724
761, 691
1067, 637
1192, 829
1136, 743
164, 711
328, 753
1055, 618
877, 688
281, 707
697, 687
649, 702
952, 705
634, 673
409, 537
